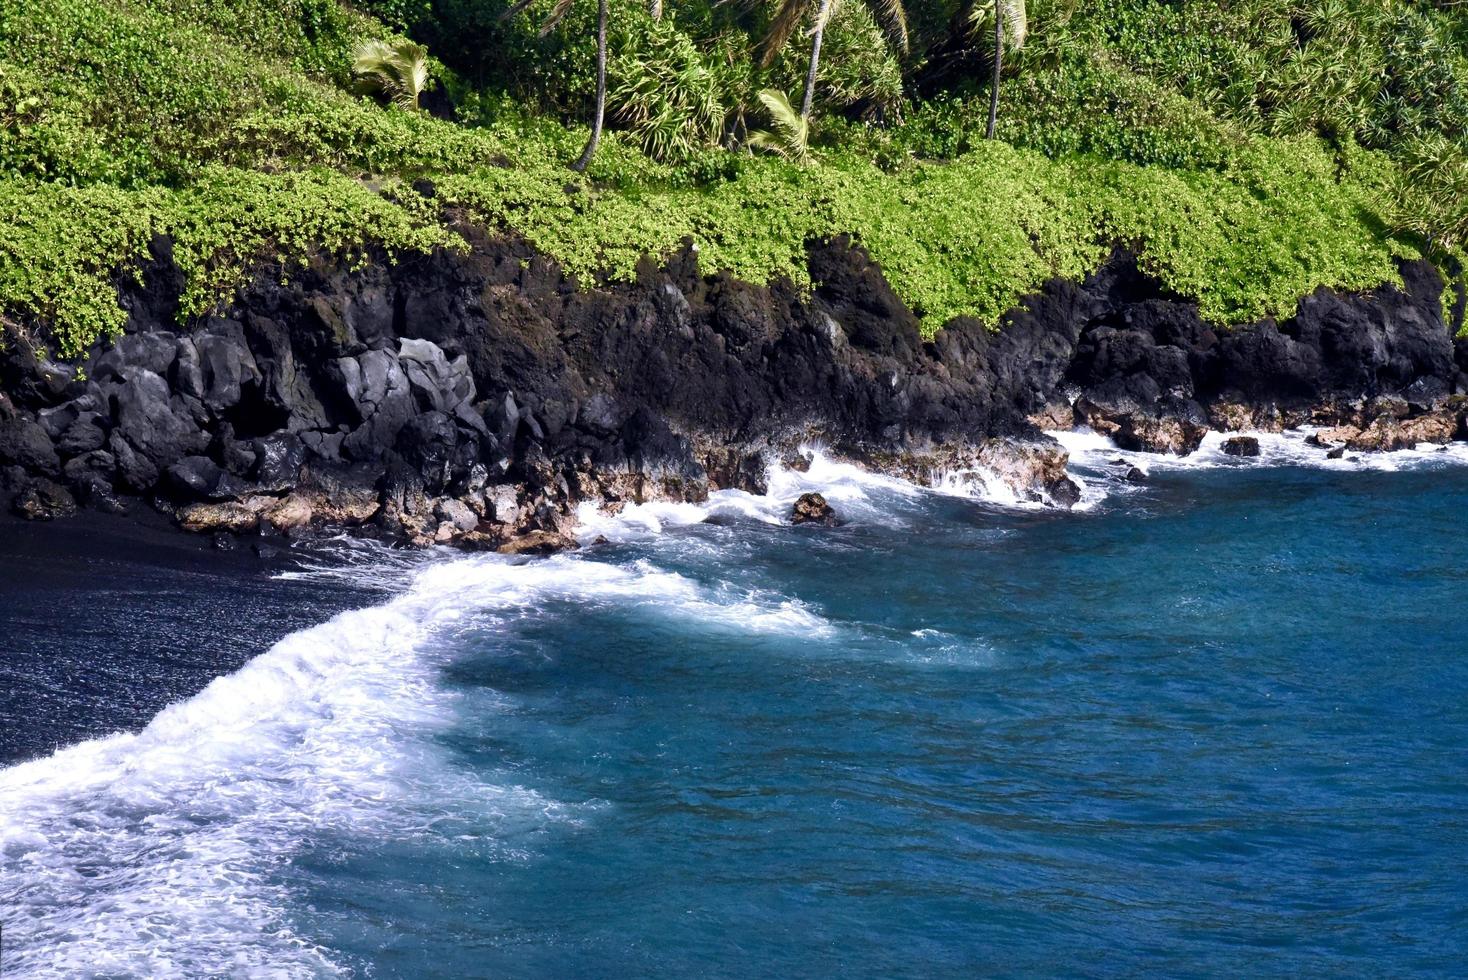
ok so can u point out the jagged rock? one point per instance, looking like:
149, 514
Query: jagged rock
457, 514
83, 435
24, 442
483, 540
225, 362
537, 543
151, 351
279, 460
1033, 470
1336, 453
294, 511
234, 517
1135, 474
338, 386
503, 504
1387, 433
1174, 436
195, 477
1241, 446
147, 421
44, 500
437, 384
812, 508
56, 420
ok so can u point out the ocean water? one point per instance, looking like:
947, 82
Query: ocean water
1214, 723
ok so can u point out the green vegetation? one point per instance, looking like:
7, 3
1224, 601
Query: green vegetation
1250, 152
396, 70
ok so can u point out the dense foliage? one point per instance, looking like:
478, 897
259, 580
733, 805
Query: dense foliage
1250, 152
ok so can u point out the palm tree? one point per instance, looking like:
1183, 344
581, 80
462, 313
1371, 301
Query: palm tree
889, 13
788, 138
558, 13
1009, 17
397, 70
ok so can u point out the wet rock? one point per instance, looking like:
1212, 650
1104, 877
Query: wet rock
812, 508
233, 517
294, 511
1153, 434
1032, 470
1387, 433
796, 462
1336, 453
1135, 474
194, 477
1241, 446
537, 543
44, 500
279, 458
486, 538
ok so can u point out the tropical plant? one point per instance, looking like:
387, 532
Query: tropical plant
1429, 195
790, 136
789, 15
397, 70
558, 13
669, 94
1011, 28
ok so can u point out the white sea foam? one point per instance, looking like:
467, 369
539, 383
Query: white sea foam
1095, 455
161, 852
1099, 466
854, 492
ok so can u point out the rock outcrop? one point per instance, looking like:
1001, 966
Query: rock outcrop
812, 508
478, 398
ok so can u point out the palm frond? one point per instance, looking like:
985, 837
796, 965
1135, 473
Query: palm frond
397, 70
784, 24
892, 15
791, 132
1016, 20
518, 7
558, 13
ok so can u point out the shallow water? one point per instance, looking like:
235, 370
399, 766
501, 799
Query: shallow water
1216, 723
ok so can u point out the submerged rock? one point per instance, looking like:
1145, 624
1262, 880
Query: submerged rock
812, 508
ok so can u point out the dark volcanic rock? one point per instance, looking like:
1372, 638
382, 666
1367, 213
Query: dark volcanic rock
480, 397
44, 500
1241, 446
23, 442
812, 508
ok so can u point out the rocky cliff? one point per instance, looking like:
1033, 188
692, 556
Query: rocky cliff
478, 398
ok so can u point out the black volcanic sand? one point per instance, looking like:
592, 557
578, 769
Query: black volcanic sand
104, 621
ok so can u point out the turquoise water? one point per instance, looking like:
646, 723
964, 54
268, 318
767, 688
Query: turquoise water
1215, 724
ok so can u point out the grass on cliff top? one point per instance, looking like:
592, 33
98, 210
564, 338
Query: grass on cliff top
120, 121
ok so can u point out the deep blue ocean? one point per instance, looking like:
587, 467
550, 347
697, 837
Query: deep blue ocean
1212, 724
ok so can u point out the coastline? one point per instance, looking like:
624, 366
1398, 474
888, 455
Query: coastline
483, 401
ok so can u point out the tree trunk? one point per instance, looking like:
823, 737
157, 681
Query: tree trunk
815, 59
655, 7
998, 63
583, 161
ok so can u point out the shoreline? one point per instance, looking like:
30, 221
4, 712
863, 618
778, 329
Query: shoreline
481, 401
